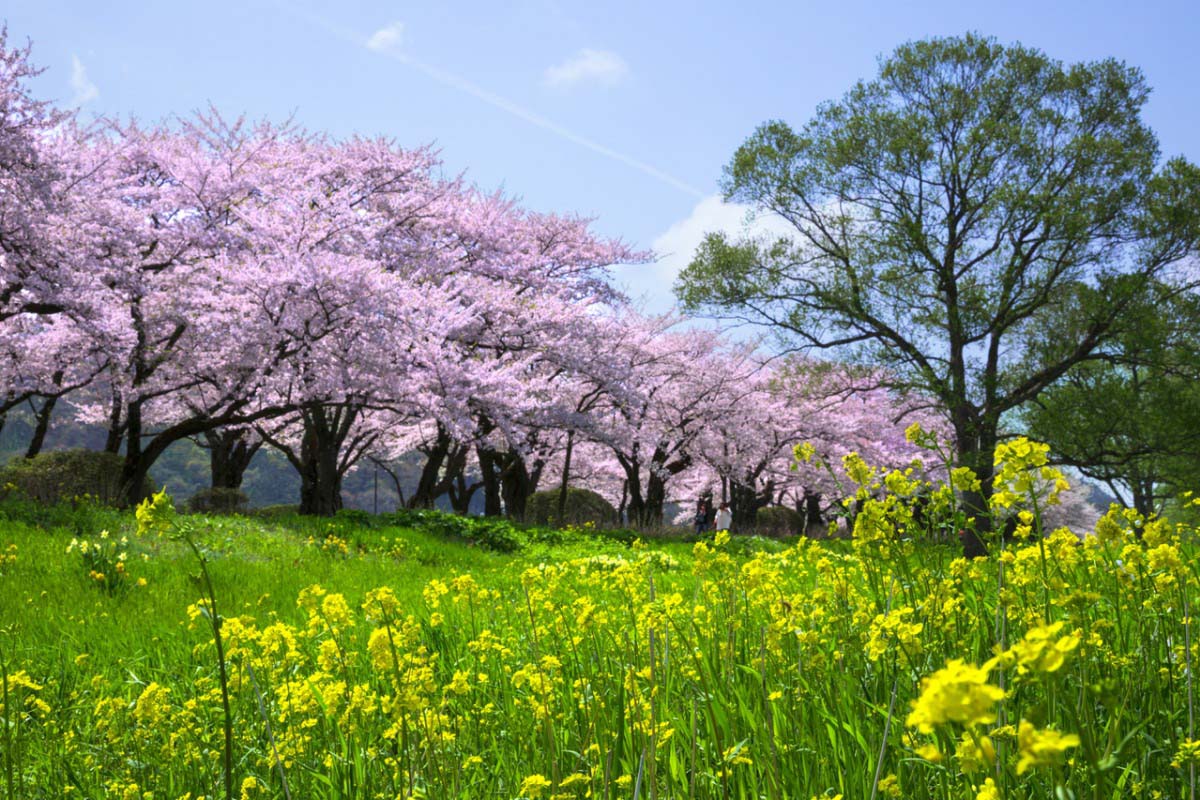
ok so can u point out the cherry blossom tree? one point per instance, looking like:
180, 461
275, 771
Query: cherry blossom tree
33, 265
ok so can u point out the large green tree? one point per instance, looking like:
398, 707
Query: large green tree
1131, 418
974, 219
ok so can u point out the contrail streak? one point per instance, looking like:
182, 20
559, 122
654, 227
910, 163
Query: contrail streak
454, 81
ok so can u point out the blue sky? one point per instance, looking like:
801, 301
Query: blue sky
622, 111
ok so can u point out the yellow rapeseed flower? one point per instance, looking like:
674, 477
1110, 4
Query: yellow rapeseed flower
959, 692
988, 791
1040, 650
1040, 748
534, 786
1188, 753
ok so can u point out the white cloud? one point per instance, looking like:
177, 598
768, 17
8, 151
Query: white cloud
587, 66
387, 38
676, 246
85, 90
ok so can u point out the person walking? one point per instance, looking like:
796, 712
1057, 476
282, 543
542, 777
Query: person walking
701, 518
723, 519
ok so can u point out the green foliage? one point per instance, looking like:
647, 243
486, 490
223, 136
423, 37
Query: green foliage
64, 475
972, 220
496, 534
218, 501
276, 511
583, 506
78, 517
779, 521
1131, 419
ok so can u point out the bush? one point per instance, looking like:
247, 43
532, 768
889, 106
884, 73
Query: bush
63, 475
356, 517
275, 512
583, 506
218, 501
779, 521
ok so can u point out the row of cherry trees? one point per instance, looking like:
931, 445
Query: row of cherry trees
245, 285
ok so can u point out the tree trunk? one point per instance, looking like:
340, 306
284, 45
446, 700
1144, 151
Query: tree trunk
1143, 497
320, 491
134, 468
813, 520
635, 503
229, 456
461, 494
428, 484
976, 447
744, 503
566, 478
133, 479
112, 442
320, 476
489, 474
656, 495
41, 427
517, 483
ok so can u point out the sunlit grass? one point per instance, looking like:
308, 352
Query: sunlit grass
388, 662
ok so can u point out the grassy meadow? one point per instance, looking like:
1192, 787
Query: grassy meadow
422, 656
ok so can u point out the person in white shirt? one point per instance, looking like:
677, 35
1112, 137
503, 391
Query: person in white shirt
724, 518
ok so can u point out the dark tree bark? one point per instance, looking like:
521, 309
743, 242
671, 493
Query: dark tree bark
656, 496
566, 478
116, 427
744, 502
320, 478
229, 454
489, 472
430, 484
461, 492
325, 453
518, 481
42, 426
976, 446
645, 507
811, 508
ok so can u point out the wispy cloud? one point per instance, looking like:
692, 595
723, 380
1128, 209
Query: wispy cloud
602, 67
447, 78
81, 84
387, 38
676, 247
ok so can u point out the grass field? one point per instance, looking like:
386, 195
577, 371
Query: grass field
409, 657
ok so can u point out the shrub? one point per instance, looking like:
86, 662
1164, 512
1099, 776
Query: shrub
356, 517
63, 475
218, 501
583, 506
275, 512
492, 533
779, 521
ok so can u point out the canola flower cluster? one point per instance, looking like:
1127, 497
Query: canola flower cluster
105, 560
885, 667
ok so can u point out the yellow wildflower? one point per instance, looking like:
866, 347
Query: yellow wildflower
959, 692
1039, 748
534, 786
